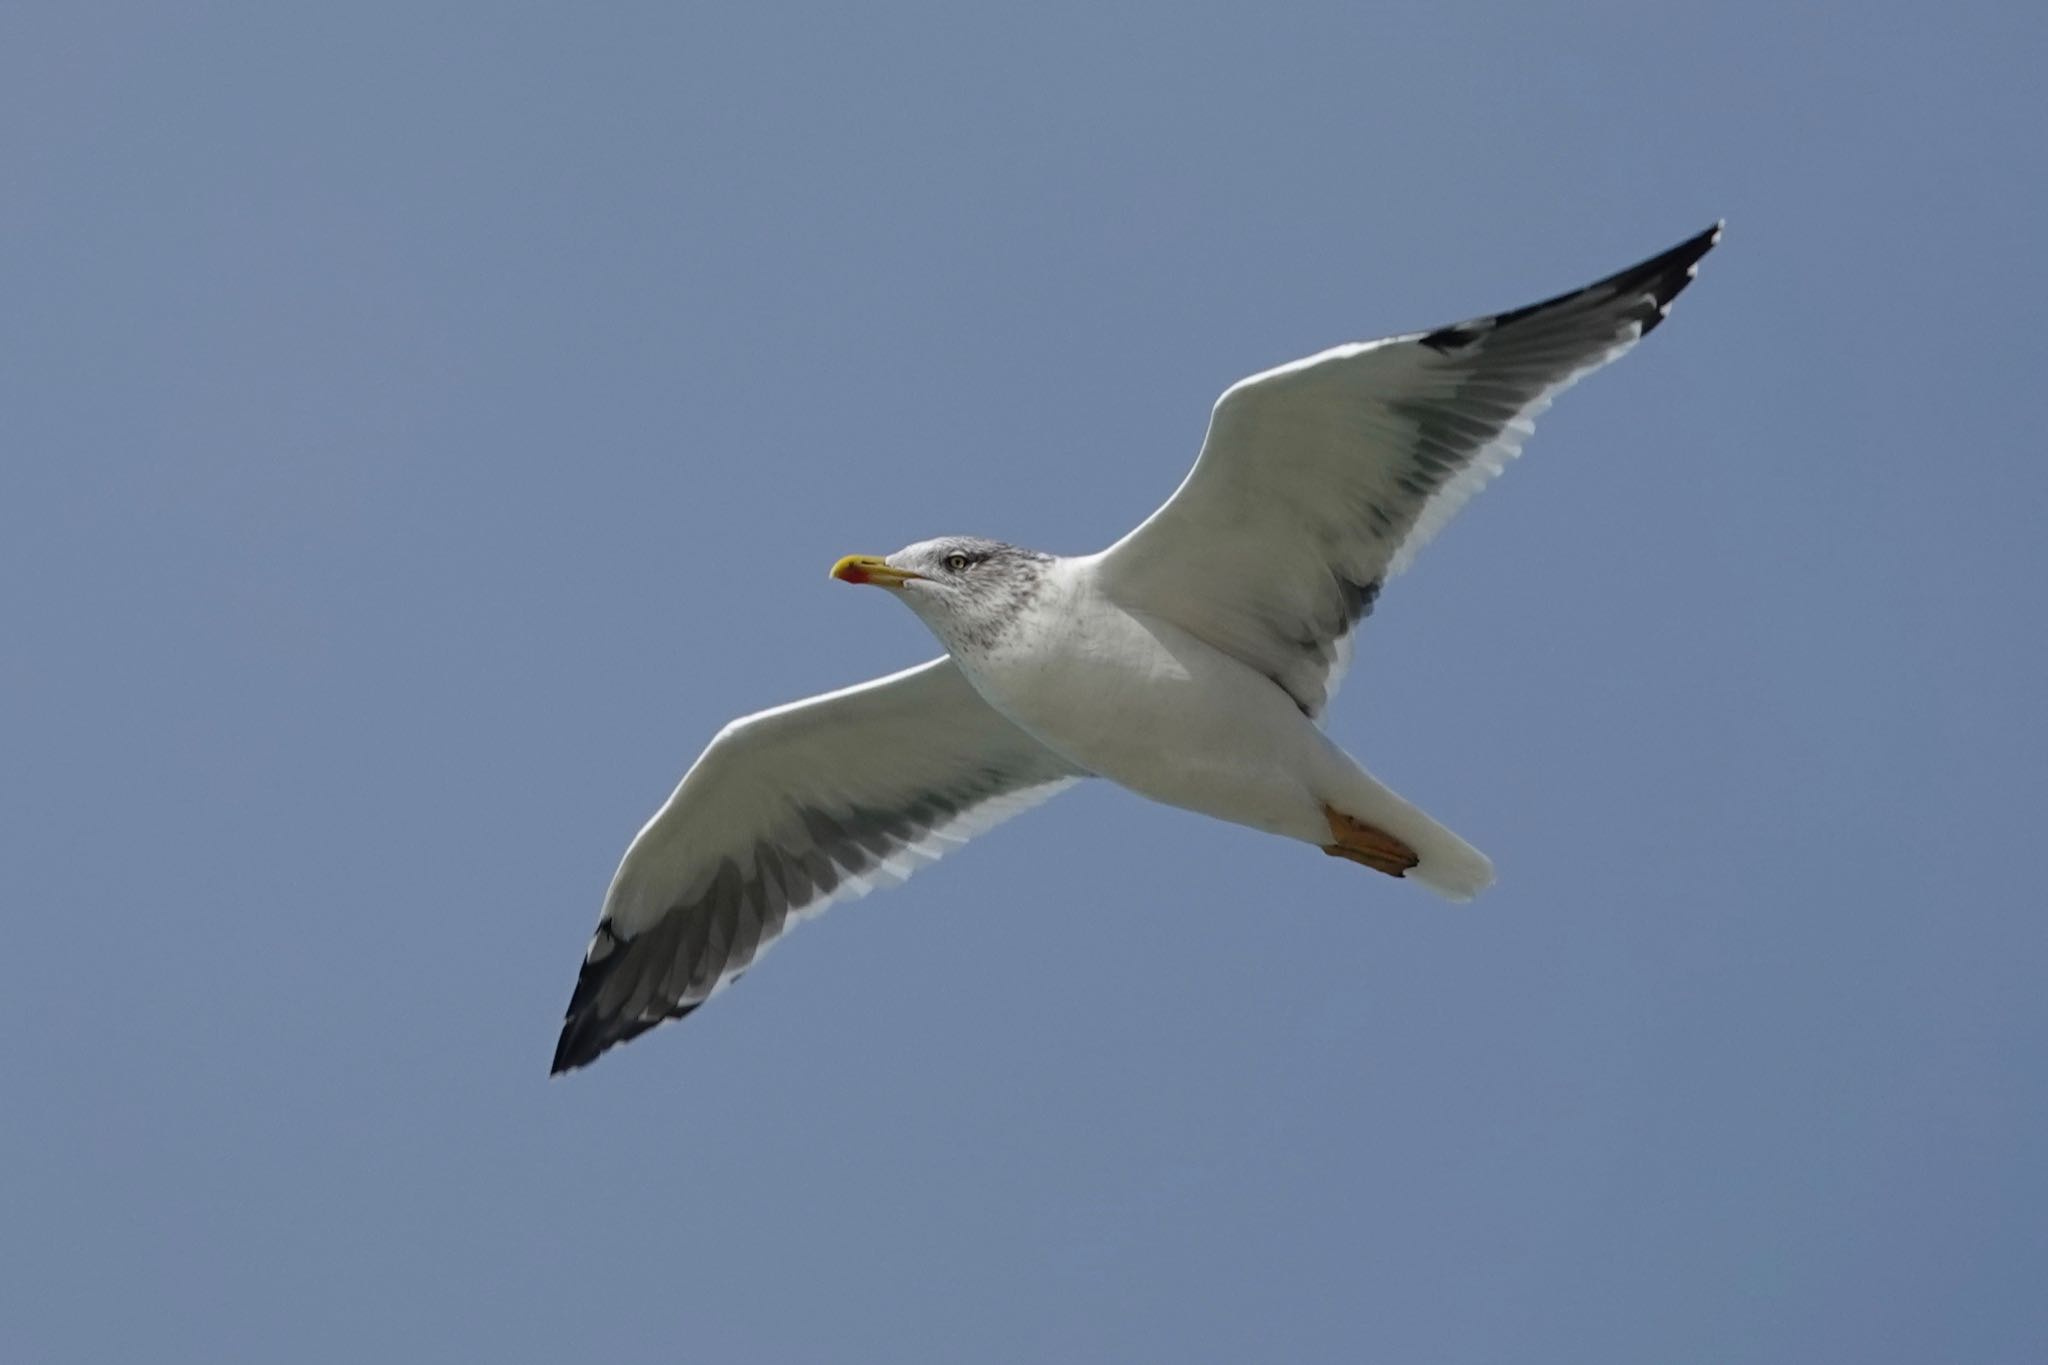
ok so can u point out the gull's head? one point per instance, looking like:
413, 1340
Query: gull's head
968, 590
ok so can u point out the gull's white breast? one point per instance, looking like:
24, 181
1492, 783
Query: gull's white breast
1145, 704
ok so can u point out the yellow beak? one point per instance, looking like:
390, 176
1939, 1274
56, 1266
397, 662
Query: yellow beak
872, 569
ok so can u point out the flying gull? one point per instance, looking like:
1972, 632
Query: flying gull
1190, 662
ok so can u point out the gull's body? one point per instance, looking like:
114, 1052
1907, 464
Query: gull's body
1132, 697
1140, 701
1190, 662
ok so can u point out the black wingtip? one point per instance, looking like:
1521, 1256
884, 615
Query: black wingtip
1662, 278
565, 1058
588, 1033
1665, 277
595, 1022
582, 1040
578, 1045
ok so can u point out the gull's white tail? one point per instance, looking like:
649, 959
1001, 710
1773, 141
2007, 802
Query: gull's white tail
1449, 866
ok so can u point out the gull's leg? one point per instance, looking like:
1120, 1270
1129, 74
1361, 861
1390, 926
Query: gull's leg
1363, 843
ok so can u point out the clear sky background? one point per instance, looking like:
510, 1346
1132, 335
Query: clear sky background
422, 427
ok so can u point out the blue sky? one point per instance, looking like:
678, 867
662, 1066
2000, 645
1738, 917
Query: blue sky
425, 426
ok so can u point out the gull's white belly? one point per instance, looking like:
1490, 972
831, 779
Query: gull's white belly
1147, 705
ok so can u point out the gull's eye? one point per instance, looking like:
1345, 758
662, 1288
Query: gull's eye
957, 562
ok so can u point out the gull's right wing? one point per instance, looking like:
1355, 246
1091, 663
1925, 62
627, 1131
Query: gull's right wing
787, 811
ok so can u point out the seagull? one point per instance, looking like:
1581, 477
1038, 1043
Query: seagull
1190, 662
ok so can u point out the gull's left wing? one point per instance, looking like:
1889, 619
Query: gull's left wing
787, 811
1321, 479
